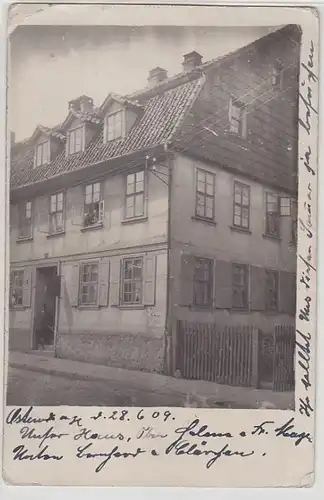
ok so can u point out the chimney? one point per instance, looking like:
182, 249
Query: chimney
83, 103
191, 61
156, 76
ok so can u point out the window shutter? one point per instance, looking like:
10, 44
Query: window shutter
114, 283
223, 284
104, 269
187, 275
71, 284
287, 283
149, 280
257, 288
27, 289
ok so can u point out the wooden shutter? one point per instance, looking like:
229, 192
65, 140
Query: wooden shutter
223, 284
27, 289
104, 271
257, 288
287, 283
149, 280
186, 277
114, 282
71, 284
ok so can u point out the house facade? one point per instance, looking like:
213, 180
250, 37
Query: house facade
177, 202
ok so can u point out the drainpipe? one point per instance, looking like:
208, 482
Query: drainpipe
168, 361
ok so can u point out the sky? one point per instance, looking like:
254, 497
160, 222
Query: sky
51, 65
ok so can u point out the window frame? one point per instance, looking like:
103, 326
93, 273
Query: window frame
99, 221
131, 281
82, 283
11, 288
285, 209
44, 144
277, 288
205, 195
277, 75
68, 145
242, 121
241, 205
208, 283
294, 221
133, 195
22, 237
120, 112
272, 234
50, 229
245, 287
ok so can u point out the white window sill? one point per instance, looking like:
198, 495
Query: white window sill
23, 239
52, 235
98, 225
241, 229
131, 306
142, 218
204, 219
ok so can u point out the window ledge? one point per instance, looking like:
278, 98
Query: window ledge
17, 308
201, 308
93, 307
205, 220
271, 237
52, 235
131, 306
241, 229
92, 227
134, 220
22, 240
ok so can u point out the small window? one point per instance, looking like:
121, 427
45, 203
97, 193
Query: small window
203, 282
93, 205
114, 126
294, 221
277, 75
25, 220
76, 140
271, 290
132, 281
205, 194
272, 215
240, 286
237, 118
285, 206
241, 216
135, 195
16, 288
57, 213
89, 283
42, 155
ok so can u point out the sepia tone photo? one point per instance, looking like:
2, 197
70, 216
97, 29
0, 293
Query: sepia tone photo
153, 216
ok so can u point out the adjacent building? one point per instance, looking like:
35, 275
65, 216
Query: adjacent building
177, 202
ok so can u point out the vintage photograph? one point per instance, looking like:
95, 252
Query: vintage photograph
153, 216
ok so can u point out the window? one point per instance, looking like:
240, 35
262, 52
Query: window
240, 286
25, 220
272, 287
42, 154
16, 288
205, 194
132, 281
294, 221
241, 217
277, 75
135, 195
93, 205
237, 118
203, 282
114, 126
89, 284
272, 215
285, 206
57, 213
76, 140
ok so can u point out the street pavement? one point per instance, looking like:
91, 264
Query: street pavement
26, 387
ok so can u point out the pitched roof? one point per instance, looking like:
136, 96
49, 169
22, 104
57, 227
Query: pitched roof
162, 117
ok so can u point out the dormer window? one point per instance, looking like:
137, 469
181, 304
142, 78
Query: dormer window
75, 142
114, 125
237, 118
277, 75
42, 154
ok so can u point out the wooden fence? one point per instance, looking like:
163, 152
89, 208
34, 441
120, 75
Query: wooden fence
231, 355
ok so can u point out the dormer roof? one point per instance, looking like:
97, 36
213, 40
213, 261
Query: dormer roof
48, 132
127, 103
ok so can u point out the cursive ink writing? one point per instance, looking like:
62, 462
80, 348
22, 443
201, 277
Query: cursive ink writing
305, 407
114, 453
307, 159
149, 433
306, 95
304, 312
88, 434
297, 436
30, 433
21, 453
18, 417
303, 353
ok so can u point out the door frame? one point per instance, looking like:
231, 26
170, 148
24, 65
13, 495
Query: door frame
34, 277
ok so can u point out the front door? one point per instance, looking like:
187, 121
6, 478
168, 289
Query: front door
45, 307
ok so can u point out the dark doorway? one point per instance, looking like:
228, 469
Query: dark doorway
45, 307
